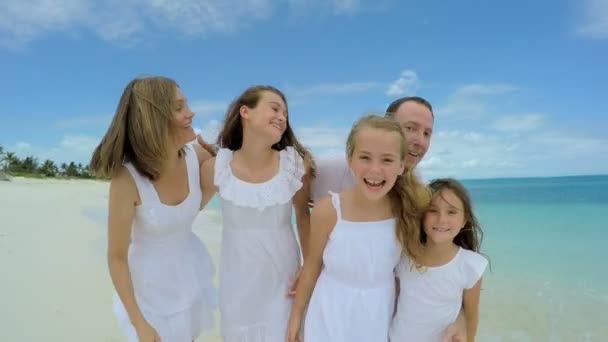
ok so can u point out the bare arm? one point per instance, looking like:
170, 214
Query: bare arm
201, 154
457, 331
208, 188
206, 146
471, 309
300, 204
122, 200
323, 219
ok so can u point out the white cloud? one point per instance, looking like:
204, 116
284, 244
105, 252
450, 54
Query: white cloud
211, 130
473, 154
126, 20
83, 121
22, 147
473, 101
475, 89
570, 146
23, 21
204, 107
322, 138
519, 123
595, 19
406, 84
70, 148
337, 7
326, 89
80, 143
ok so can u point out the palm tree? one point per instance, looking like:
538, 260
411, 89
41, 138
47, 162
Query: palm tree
2, 158
48, 169
2, 164
12, 161
63, 169
30, 164
72, 170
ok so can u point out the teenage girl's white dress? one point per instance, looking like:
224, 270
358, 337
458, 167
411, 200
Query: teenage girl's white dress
354, 296
259, 253
170, 267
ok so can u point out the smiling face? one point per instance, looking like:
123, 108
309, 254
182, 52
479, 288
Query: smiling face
376, 161
268, 118
444, 218
416, 120
182, 119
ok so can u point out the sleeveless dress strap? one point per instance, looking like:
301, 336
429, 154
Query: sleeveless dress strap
143, 184
335, 201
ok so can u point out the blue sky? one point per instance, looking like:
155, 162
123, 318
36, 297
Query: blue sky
519, 87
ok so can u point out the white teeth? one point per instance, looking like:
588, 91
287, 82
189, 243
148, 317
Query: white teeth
373, 183
441, 230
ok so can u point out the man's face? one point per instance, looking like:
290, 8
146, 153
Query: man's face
416, 120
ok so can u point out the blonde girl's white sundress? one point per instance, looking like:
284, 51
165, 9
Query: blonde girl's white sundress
354, 297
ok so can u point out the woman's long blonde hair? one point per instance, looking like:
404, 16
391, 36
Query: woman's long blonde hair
141, 129
409, 198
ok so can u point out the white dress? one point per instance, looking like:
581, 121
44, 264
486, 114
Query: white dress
170, 267
430, 299
354, 297
259, 253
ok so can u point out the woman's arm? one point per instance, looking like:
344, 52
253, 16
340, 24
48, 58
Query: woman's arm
201, 154
208, 188
323, 219
122, 201
471, 309
300, 204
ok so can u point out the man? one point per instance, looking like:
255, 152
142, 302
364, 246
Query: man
414, 114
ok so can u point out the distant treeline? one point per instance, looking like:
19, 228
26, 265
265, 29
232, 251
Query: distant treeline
30, 166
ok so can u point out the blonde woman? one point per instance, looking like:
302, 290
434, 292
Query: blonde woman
161, 271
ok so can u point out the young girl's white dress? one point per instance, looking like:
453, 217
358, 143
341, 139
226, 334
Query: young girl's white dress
430, 299
259, 253
170, 267
354, 297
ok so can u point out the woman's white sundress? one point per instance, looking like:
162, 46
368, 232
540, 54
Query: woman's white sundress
259, 253
170, 267
354, 297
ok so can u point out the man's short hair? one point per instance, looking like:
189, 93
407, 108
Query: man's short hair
394, 106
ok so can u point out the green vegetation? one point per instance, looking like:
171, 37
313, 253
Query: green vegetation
30, 166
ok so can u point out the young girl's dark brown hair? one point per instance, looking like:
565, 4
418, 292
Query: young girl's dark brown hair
470, 235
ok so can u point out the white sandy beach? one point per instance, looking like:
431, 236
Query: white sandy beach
55, 285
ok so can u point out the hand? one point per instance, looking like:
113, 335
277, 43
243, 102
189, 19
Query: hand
454, 334
210, 148
293, 283
145, 333
293, 330
311, 203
